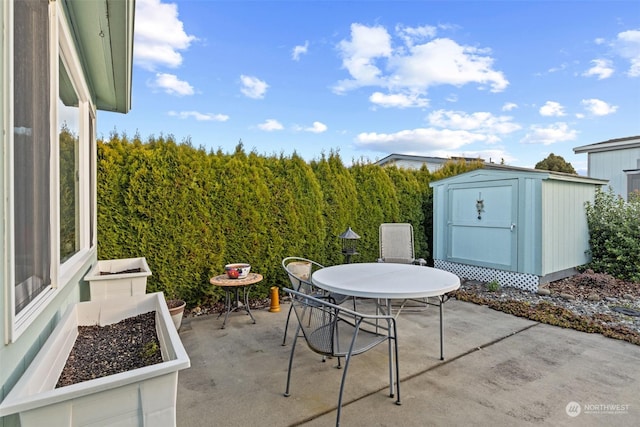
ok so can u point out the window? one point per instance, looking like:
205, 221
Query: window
53, 164
633, 183
68, 129
31, 151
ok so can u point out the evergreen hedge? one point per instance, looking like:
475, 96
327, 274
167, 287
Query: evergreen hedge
190, 212
614, 235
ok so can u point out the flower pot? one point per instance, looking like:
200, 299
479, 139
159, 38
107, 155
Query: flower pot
176, 309
118, 277
143, 396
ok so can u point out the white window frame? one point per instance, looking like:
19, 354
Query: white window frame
61, 49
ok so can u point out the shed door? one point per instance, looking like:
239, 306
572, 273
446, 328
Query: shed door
487, 238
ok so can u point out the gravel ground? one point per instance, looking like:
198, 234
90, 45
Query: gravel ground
590, 302
106, 350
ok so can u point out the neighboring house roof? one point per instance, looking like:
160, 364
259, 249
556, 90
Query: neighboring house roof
516, 170
610, 145
103, 33
392, 158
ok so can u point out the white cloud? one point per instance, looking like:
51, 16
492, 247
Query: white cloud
398, 100
411, 35
557, 132
199, 116
359, 55
270, 125
602, 68
598, 107
482, 122
169, 83
415, 64
558, 68
299, 50
253, 87
628, 46
508, 106
552, 109
159, 35
421, 140
318, 127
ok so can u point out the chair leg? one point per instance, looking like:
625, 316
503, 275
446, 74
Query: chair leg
391, 356
395, 344
286, 325
293, 348
347, 359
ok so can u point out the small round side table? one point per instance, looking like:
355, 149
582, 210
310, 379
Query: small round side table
233, 286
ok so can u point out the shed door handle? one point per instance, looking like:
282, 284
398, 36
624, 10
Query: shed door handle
513, 227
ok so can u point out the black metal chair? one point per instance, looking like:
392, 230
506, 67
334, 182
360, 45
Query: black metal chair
299, 269
335, 331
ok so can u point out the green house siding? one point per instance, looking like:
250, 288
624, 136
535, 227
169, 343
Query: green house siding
110, 90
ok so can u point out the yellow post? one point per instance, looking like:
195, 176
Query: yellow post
275, 300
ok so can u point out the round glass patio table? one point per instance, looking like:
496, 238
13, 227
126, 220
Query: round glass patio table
388, 281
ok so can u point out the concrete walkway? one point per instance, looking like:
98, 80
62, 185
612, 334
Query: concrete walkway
499, 370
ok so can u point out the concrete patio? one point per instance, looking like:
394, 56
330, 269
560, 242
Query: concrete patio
499, 370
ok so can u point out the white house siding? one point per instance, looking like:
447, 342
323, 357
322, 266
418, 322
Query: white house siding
412, 164
565, 235
611, 164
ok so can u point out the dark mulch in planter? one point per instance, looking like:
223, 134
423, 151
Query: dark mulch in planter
106, 350
131, 270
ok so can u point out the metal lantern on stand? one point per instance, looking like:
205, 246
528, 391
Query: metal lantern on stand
349, 244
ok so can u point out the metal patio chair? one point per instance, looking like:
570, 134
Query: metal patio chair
335, 331
300, 269
397, 246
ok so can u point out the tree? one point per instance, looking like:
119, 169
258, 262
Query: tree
556, 164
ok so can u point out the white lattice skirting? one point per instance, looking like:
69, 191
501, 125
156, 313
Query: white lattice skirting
528, 282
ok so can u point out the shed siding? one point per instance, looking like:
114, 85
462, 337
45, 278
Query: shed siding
483, 238
565, 235
440, 212
611, 164
529, 222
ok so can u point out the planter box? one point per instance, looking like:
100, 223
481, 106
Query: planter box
144, 396
115, 283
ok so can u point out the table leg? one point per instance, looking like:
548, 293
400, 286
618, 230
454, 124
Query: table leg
227, 304
440, 299
245, 292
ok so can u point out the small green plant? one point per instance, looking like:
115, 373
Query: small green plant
493, 286
149, 350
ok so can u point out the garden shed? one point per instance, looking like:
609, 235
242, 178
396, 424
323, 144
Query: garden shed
522, 227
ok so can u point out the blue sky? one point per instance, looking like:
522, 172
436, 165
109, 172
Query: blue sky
512, 80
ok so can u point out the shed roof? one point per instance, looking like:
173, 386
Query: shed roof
103, 33
499, 170
610, 145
